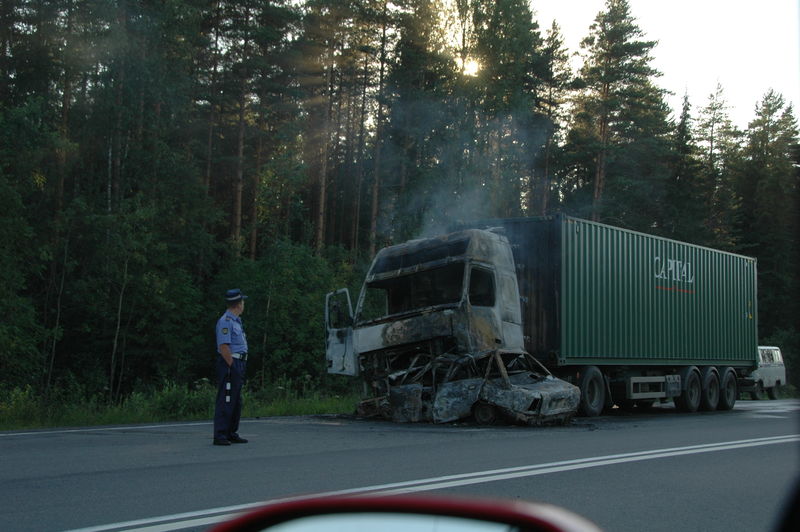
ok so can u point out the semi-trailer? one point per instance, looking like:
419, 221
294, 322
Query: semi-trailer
502, 317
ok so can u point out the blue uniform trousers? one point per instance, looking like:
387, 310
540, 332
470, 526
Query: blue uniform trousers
228, 407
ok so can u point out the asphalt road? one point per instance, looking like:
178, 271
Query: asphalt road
654, 471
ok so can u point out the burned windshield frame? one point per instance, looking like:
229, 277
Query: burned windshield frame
435, 287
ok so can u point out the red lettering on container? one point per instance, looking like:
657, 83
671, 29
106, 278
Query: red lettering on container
674, 289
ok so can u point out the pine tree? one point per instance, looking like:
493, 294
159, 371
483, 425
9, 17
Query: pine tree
510, 124
768, 227
687, 193
621, 120
556, 76
276, 121
719, 144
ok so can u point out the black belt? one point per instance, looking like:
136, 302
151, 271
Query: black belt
240, 356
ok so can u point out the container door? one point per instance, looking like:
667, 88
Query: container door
339, 352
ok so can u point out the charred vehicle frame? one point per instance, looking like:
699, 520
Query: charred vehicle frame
437, 336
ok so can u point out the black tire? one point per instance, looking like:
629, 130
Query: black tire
692, 390
709, 397
593, 391
484, 413
728, 391
756, 393
772, 392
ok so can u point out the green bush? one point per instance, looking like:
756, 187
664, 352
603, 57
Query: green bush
18, 406
176, 402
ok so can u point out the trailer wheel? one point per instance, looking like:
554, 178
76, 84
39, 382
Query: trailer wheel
709, 398
484, 413
593, 391
689, 399
728, 390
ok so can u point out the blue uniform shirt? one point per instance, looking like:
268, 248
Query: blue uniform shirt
231, 332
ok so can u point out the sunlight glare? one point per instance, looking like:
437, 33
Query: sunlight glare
471, 67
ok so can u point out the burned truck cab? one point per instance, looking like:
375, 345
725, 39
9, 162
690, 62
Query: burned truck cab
436, 321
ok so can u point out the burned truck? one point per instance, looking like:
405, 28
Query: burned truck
436, 335
504, 317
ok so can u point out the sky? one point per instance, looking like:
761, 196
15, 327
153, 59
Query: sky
747, 46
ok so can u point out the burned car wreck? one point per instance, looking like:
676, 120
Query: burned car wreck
451, 387
436, 336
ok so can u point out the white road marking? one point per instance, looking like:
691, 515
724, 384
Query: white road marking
102, 429
34, 432
215, 515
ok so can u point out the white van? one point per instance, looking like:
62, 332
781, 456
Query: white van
771, 372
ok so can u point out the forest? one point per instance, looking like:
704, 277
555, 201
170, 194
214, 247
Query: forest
155, 153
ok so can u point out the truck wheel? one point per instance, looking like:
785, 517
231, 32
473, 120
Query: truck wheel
689, 399
772, 392
593, 391
728, 390
709, 398
484, 413
755, 394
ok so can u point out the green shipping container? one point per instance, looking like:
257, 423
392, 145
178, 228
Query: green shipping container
601, 295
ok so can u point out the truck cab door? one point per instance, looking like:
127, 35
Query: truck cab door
485, 328
340, 354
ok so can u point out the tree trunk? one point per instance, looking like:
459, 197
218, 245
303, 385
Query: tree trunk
238, 185
239, 179
545, 190
61, 152
360, 158
494, 159
119, 89
376, 183
52, 355
322, 197
120, 301
256, 186
212, 103
600, 163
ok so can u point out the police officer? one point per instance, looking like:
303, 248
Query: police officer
231, 363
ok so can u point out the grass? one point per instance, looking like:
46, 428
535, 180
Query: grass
24, 409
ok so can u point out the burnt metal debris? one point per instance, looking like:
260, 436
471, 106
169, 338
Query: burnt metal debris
490, 386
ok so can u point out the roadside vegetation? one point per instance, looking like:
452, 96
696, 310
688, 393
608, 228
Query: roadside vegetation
25, 409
